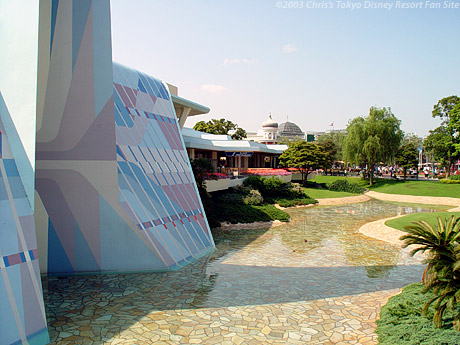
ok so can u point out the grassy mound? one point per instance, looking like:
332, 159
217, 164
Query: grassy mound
401, 321
429, 217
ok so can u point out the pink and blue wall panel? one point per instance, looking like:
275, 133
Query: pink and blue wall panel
22, 314
115, 191
156, 186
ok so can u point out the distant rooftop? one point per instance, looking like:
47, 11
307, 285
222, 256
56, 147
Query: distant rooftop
206, 141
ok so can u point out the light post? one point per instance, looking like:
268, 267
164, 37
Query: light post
420, 157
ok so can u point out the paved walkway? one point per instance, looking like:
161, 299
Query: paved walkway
316, 280
343, 201
430, 200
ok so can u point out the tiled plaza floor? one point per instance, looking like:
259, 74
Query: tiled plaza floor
316, 280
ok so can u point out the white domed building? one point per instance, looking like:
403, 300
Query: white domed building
269, 131
267, 134
291, 131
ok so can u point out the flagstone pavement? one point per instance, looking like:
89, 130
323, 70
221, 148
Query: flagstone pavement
319, 285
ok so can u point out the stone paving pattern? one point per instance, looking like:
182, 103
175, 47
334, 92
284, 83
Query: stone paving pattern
316, 280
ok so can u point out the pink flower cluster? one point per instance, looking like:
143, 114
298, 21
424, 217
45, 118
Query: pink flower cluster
218, 175
268, 172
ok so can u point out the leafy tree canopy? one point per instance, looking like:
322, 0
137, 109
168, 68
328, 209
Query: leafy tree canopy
338, 139
448, 110
373, 139
222, 127
407, 156
454, 126
439, 143
330, 151
303, 156
443, 108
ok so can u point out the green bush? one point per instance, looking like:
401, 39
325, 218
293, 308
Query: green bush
253, 198
273, 187
243, 190
449, 181
273, 213
218, 211
345, 186
253, 182
231, 198
295, 202
454, 177
401, 321
242, 194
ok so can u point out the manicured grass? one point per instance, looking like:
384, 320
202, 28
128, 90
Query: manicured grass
430, 217
418, 188
401, 321
330, 179
440, 208
318, 193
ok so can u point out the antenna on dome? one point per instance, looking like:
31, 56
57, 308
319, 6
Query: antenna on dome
270, 116
287, 118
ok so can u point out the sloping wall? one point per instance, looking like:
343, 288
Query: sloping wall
22, 316
157, 188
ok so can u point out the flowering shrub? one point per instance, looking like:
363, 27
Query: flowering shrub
215, 176
267, 172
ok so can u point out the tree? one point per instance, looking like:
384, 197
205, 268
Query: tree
338, 138
443, 108
330, 152
454, 126
407, 156
448, 110
439, 143
442, 273
303, 156
222, 127
373, 139
202, 169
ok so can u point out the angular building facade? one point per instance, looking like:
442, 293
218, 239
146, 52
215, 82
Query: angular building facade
115, 191
22, 312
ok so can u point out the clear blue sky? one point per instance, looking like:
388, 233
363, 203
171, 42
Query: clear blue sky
244, 59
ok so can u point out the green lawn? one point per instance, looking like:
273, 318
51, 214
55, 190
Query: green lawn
317, 193
419, 188
430, 217
330, 179
425, 188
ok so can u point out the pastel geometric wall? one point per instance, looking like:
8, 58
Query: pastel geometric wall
114, 188
18, 79
155, 182
22, 314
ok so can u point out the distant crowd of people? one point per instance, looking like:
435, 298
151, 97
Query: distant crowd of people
380, 171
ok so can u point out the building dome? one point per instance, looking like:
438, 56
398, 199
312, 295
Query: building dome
270, 123
289, 129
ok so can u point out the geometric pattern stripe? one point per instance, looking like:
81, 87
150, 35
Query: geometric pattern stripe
22, 313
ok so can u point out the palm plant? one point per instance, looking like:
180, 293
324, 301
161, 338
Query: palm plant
442, 273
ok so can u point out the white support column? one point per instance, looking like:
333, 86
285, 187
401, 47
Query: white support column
185, 111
